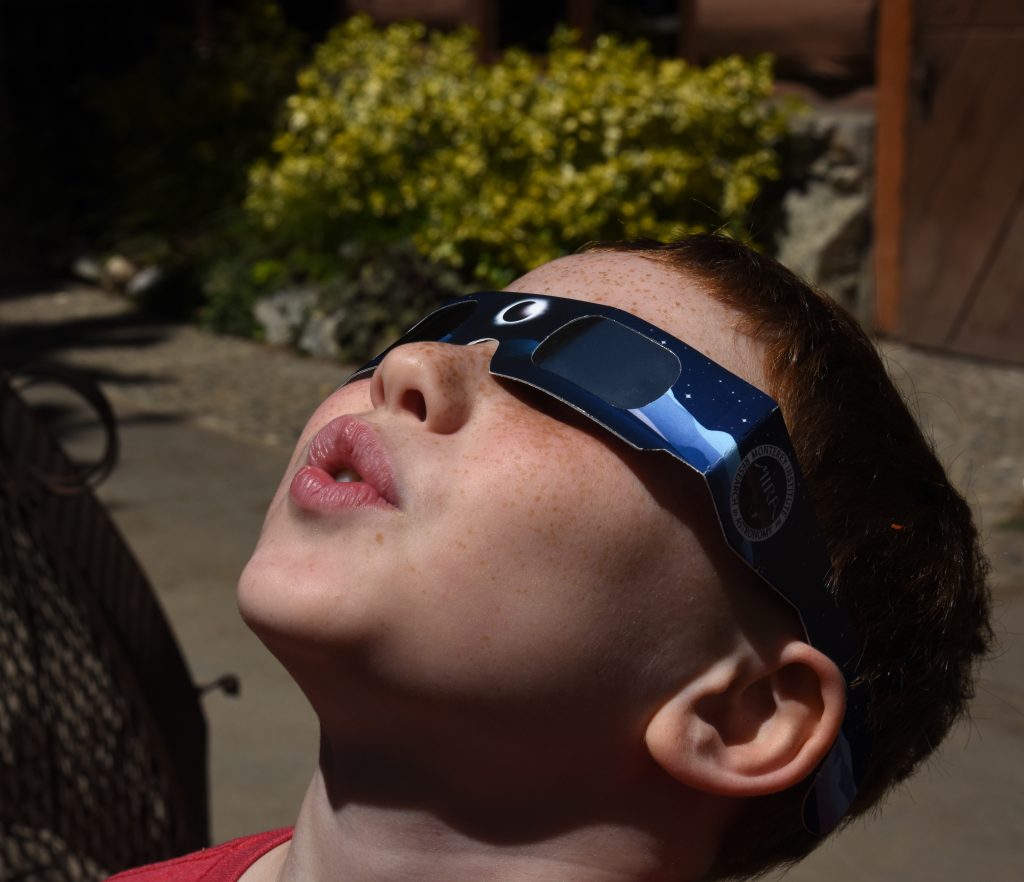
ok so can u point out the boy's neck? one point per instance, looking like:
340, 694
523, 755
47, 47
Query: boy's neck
341, 836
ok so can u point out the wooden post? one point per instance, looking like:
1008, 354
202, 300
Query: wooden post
482, 15
202, 25
580, 14
895, 51
687, 45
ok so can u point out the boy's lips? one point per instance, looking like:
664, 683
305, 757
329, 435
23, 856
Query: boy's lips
345, 445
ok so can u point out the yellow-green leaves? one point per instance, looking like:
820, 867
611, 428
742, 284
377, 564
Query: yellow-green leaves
400, 134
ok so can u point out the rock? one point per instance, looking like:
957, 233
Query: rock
119, 270
825, 231
144, 281
320, 336
87, 268
285, 313
826, 239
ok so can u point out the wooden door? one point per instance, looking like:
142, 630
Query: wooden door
951, 184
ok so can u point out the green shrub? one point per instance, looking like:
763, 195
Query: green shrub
400, 139
397, 134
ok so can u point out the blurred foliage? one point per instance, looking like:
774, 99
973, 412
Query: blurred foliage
401, 170
397, 134
184, 126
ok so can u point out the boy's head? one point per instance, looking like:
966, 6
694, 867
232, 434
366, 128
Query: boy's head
907, 561
515, 602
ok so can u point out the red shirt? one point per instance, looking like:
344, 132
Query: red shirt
222, 863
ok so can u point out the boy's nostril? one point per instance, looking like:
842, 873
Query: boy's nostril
414, 402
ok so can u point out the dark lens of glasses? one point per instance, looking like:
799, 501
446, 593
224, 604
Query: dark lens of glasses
609, 360
439, 324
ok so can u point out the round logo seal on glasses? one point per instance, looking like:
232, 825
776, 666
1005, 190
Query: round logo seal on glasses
762, 492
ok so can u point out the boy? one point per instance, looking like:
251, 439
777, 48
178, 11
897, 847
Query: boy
538, 652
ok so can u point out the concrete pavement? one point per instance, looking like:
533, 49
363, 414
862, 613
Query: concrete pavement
190, 502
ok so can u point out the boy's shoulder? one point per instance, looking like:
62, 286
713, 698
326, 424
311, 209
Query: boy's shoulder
222, 863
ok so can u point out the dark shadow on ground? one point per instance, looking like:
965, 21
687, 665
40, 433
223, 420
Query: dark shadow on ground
37, 338
22, 343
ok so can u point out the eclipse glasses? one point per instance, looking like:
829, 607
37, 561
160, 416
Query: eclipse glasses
657, 393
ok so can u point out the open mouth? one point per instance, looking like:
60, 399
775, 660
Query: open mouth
347, 467
348, 476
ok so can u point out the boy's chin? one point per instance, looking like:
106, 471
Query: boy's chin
260, 601
283, 613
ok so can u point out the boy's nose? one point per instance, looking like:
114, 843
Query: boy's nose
436, 383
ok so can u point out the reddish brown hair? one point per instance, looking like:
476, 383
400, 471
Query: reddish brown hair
906, 556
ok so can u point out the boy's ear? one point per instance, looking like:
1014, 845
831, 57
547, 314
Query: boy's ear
751, 725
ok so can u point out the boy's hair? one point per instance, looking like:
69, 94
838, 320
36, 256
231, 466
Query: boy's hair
907, 562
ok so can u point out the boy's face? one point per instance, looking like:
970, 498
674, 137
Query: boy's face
537, 576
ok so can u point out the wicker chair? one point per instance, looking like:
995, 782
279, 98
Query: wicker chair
102, 737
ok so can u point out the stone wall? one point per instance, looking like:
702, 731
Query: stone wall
822, 223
